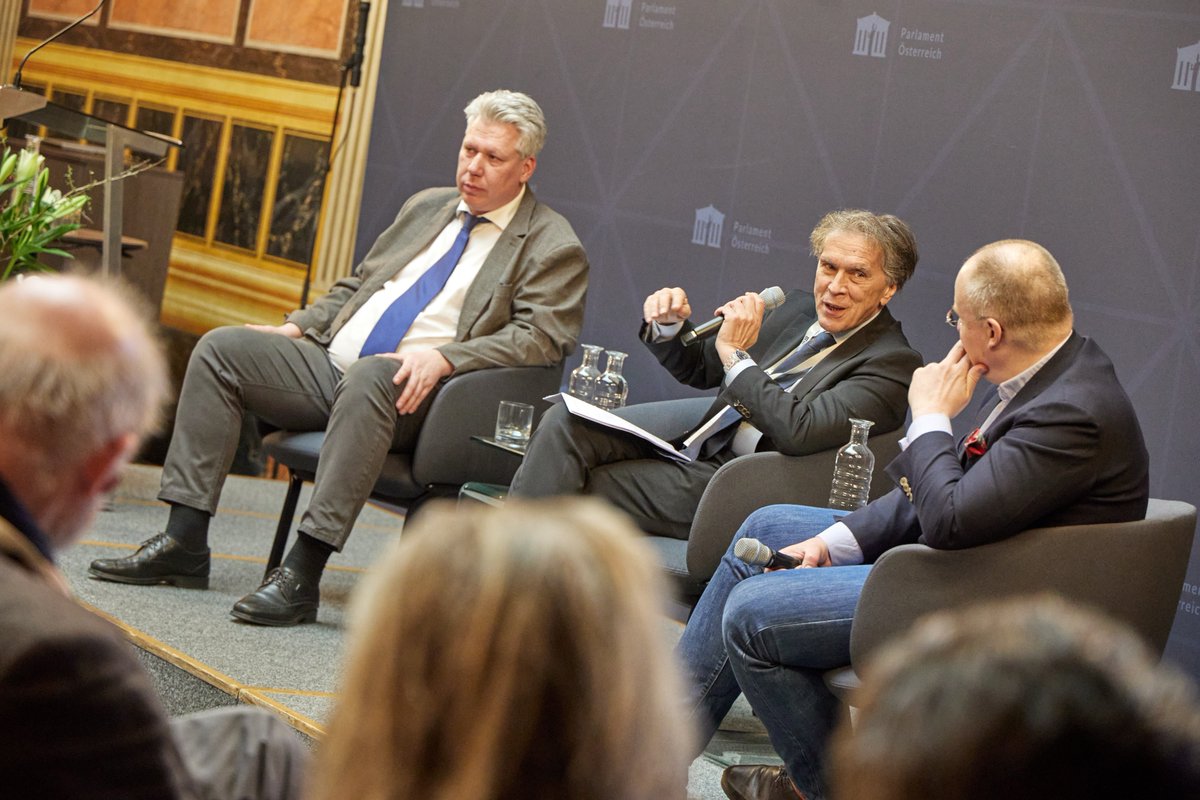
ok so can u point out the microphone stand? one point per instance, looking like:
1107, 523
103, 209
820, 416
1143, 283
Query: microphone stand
352, 69
20, 67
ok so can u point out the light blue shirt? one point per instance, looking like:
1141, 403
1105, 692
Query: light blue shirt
843, 547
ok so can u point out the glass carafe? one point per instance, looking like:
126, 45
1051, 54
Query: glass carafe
612, 388
852, 471
582, 383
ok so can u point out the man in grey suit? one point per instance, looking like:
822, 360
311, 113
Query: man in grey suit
466, 278
83, 380
795, 378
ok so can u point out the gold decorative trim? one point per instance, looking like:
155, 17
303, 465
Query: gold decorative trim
219, 92
210, 284
241, 692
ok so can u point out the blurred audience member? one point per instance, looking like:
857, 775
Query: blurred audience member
1033, 699
83, 380
510, 653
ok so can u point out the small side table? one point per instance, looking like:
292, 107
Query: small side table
491, 441
492, 494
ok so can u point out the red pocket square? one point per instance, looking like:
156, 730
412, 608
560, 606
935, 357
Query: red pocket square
976, 445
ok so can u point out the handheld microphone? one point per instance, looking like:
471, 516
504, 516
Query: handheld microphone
772, 296
360, 41
757, 554
21, 66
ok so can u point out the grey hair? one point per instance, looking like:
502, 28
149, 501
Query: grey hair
80, 368
514, 108
891, 233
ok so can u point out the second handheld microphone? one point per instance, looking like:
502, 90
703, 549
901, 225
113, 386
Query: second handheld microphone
754, 552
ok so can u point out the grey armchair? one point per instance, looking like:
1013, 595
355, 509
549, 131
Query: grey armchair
1131, 571
740, 487
444, 457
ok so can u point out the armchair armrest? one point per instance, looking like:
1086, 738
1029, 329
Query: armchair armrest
760, 479
466, 406
1131, 571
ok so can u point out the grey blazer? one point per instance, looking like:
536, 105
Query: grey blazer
525, 308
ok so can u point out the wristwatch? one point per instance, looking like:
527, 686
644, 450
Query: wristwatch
735, 357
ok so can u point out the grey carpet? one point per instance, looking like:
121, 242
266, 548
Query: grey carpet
292, 670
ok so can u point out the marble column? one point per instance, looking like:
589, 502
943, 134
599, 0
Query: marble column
343, 194
10, 16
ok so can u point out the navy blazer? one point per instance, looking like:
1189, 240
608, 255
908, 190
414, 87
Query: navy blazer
1067, 450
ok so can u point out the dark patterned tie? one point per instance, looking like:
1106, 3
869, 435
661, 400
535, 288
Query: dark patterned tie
398, 318
730, 416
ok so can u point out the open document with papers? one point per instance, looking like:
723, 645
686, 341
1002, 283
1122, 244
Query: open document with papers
584, 409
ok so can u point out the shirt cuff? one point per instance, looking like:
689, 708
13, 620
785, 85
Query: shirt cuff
663, 333
926, 423
843, 547
738, 369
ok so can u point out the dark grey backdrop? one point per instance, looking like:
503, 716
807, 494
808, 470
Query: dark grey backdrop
1074, 123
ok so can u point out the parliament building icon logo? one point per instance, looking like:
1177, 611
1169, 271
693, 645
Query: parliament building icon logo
1187, 68
616, 14
709, 225
870, 39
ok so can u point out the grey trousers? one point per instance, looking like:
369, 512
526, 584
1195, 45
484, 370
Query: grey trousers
241, 753
569, 455
290, 384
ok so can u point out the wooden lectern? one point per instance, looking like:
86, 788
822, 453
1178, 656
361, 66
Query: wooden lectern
35, 109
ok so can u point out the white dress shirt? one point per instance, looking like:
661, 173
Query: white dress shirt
437, 324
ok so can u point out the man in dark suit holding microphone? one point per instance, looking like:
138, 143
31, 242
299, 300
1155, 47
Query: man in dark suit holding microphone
789, 381
1058, 444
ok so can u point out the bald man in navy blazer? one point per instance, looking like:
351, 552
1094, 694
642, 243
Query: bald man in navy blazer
1058, 444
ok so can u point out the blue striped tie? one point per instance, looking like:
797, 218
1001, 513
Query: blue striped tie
398, 318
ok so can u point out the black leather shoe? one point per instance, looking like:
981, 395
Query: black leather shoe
160, 559
284, 599
758, 782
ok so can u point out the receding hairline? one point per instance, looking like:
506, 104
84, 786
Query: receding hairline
1019, 283
64, 315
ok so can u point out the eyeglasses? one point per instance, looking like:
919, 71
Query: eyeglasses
952, 319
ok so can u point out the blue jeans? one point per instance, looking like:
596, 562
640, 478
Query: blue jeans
771, 636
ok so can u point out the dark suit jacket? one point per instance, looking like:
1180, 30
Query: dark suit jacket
78, 714
866, 377
1067, 450
525, 308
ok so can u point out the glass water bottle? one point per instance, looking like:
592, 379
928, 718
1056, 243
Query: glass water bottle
612, 388
582, 383
852, 471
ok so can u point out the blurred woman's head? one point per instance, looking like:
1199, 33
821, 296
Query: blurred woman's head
513, 652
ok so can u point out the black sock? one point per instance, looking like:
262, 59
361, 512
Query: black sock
308, 556
189, 527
